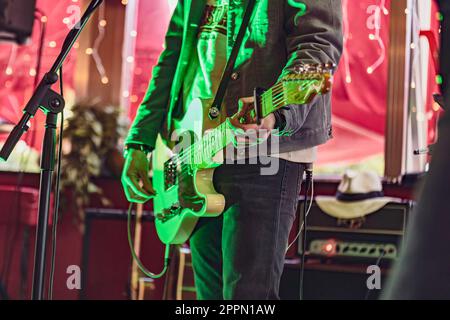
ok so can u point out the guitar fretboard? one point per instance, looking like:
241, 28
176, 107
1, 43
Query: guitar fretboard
294, 89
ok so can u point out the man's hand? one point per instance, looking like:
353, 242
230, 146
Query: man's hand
136, 183
245, 121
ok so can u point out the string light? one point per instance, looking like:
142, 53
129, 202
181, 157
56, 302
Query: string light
374, 24
13, 56
32, 72
21, 62
345, 56
102, 23
11, 60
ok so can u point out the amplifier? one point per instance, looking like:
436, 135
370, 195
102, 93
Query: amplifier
338, 248
16, 19
330, 281
367, 239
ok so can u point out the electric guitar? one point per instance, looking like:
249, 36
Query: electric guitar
183, 176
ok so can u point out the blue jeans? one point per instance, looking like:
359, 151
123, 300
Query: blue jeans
240, 255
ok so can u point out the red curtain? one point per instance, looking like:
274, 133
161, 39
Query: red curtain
18, 63
359, 94
360, 91
361, 84
152, 20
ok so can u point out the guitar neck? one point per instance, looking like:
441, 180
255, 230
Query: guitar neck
291, 93
205, 149
296, 89
218, 139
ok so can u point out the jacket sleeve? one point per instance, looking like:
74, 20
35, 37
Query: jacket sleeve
153, 109
313, 36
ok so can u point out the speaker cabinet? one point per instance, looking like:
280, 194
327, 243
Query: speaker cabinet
16, 19
339, 253
329, 282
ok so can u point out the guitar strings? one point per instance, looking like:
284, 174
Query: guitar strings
277, 94
189, 153
279, 100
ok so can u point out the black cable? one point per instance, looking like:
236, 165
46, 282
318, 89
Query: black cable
136, 258
57, 193
308, 183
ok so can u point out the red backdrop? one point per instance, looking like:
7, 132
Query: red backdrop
359, 104
360, 91
17, 65
152, 21
359, 109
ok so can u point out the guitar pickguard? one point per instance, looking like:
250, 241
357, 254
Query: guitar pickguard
184, 193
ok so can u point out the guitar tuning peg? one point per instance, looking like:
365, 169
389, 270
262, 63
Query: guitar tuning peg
300, 69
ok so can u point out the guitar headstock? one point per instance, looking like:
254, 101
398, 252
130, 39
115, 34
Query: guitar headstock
297, 88
308, 81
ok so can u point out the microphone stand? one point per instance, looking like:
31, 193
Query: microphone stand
51, 103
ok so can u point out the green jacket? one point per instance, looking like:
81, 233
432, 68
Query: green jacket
281, 36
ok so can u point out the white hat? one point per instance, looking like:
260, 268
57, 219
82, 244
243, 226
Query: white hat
359, 194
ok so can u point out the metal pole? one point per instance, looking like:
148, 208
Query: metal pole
47, 168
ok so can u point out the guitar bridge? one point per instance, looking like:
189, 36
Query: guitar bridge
169, 214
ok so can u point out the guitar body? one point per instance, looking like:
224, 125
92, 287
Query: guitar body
190, 195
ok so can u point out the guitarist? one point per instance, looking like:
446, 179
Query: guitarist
240, 254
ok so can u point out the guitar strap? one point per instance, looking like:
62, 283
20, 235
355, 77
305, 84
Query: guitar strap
214, 111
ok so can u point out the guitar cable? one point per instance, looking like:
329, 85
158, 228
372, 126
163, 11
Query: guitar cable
136, 258
378, 263
310, 186
306, 210
309, 195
